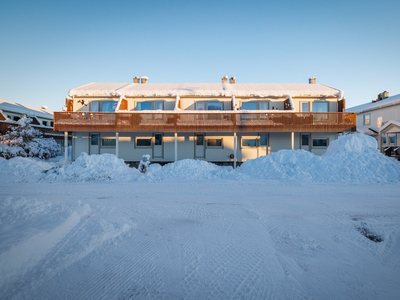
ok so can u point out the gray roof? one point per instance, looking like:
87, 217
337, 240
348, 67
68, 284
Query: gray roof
13, 107
390, 101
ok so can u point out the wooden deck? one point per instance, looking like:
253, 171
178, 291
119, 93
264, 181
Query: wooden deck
204, 122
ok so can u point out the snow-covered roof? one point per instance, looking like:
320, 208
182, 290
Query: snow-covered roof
389, 123
24, 109
394, 100
206, 89
365, 130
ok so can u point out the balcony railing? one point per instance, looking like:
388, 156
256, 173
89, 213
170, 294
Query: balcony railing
204, 122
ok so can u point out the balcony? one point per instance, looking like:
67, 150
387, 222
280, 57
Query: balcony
230, 121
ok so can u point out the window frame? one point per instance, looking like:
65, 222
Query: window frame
317, 146
100, 103
320, 102
108, 138
207, 139
365, 118
153, 105
307, 103
257, 102
203, 105
143, 138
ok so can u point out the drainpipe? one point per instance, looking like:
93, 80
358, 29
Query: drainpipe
66, 146
292, 140
117, 144
176, 146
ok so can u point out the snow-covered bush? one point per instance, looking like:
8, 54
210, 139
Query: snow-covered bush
144, 163
26, 141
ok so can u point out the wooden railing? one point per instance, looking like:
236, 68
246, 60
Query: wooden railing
204, 122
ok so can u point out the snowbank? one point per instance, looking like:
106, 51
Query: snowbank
93, 168
351, 159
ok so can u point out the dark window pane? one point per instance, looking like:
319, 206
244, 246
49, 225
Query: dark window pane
392, 140
158, 139
263, 140
200, 140
214, 105
214, 142
143, 142
108, 142
320, 142
94, 140
305, 140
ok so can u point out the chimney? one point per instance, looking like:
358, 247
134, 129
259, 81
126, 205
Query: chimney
136, 79
232, 80
143, 80
385, 95
225, 79
312, 80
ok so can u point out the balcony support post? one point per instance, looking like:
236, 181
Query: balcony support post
66, 146
292, 140
234, 149
117, 144
380, 142
176, 146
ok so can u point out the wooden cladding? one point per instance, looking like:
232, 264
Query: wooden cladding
69, 103
342, 105
204, 122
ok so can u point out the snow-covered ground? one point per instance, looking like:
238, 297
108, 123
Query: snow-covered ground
287, 226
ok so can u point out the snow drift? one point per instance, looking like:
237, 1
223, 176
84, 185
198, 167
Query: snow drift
350, 159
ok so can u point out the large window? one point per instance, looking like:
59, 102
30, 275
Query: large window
320, 107
214, 142
103, 106
367, 119
305, 107
108, 142
150, 105
143, 142
249, 142
320, 142
260, 141
255, 105
209, 105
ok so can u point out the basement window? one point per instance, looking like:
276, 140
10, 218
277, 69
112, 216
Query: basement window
320, 142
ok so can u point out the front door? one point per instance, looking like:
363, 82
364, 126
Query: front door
305, 142
262, 145
199, 148
94, 147
158, 146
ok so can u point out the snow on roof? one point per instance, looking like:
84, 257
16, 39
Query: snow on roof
394, 100
24, 109
391, 122
206, 89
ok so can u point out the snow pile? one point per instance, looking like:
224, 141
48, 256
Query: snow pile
190, 169
23, 169
349, 159
93, 168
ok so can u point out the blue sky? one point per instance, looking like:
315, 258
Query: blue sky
49, 47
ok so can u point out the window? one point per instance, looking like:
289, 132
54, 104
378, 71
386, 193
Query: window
367, 119
143, 142
210, 105
214, 142
249, 142
305, 107
94, 140
199, 140
255, 105
51, 124
320, 142
150, 105
108, 142
249, 105
103, 106
392, 139
305, 140
320, 107
263, 140
44, 123
16, 118
384, 140
158, 139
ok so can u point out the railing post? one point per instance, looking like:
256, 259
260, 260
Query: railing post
66, 146
292, 140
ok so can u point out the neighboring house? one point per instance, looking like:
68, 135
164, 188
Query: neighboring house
380, 118
218, 122
42, 119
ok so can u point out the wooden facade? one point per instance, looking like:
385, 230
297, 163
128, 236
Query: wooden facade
232, 121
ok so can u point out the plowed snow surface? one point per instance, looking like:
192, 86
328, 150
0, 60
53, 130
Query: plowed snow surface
198, 240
